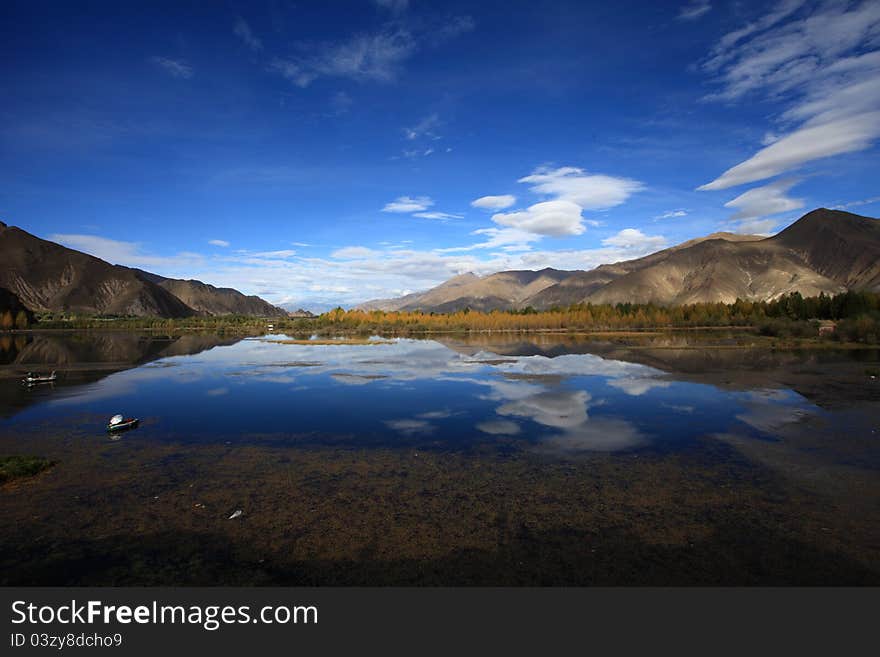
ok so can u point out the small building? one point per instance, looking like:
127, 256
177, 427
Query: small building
827, 327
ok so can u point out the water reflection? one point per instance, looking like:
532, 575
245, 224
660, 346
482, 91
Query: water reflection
422, 392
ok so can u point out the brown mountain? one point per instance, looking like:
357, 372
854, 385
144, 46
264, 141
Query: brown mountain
843, 246
48, 277
209, 300
824, 251
506, 289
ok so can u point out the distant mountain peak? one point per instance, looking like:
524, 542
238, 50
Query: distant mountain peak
824, 251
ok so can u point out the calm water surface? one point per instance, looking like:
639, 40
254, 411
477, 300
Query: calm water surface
482, 460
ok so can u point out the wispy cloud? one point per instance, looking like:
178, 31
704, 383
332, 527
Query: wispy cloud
222, 243
859, 203
764, 201
407, 204
694, 10
424, 128
394, 6
243, 31
672, 214
369, 56
366, 57
822, 61
281, 254
494, 202
438, 215
353, 253
129, 254
809, 143
175, 68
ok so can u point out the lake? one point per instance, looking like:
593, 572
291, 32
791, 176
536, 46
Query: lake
492, 459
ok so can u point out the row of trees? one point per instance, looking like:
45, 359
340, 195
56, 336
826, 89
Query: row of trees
10, 320
793, 307
858, 314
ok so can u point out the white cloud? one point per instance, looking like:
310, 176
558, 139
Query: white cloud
632, 239
555, 218
410, 427
563, 409
499, 427
802, 146
590, 192
222, 243
723, 51
175, 68
694, 10
243, 31
409, 204
855, 204
129, 254
494, 202
353, 253
823, 62
438, 215
424, 128
671, 214
756, 227
282, 254
507, 239
597, 435
763, 201
572, 190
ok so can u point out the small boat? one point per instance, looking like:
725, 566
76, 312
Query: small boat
35, 379
119, 423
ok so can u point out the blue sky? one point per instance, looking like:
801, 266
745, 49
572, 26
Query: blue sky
326, 153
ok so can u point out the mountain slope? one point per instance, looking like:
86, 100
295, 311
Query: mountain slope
581, 284
717, 270
843, 246
506, 289
49, 277
824, 251
209, 300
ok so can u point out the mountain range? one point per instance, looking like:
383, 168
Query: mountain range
826, 251
47, 277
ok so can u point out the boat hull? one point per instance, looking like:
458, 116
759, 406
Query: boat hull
122, 426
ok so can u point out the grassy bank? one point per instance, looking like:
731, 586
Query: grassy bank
17, 467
